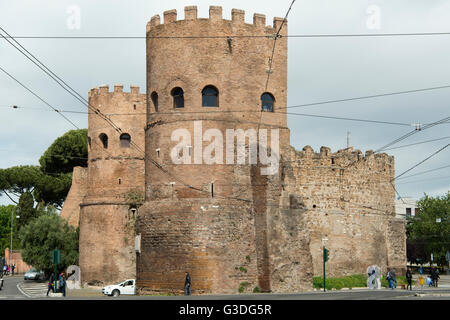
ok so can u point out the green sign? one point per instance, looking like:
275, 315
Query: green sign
56, 257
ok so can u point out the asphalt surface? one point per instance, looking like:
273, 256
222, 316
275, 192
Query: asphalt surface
10, 289
18, 288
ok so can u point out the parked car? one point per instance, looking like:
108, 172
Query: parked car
126, 287
33, 274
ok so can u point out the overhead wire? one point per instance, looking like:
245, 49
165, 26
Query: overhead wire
349, 35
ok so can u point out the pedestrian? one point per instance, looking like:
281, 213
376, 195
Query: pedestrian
394, 279
436, 277
62, 284
187, 285
50, 283
12, 268
389, 278
432, 277
5, 269
409, 279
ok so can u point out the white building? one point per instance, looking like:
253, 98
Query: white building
406, 207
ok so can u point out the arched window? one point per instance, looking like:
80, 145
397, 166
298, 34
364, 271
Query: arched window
210, 97
267, 101
178, 97
125, 140
154, 98
104, 139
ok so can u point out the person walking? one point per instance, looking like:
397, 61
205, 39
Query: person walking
409, 279
12, 269
394, 279
389, 278
432, 277
50, 283
187, 285
62, 284
436, 277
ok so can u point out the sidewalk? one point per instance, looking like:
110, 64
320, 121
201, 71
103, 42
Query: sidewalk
85, 292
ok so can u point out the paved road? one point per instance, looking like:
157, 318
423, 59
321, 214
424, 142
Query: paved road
10, 290
17, 288
33, 289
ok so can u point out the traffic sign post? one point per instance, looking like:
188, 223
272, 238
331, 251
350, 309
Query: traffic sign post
56, 259
447, 257
325, 259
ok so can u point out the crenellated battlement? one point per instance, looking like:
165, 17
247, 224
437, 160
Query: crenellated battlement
215, 15
118, 88
342, 157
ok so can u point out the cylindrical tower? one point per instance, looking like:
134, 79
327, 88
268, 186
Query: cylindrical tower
207, 211
115, 185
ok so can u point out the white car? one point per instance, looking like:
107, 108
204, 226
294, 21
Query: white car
33, 274
126, 287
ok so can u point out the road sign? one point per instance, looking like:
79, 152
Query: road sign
56, 257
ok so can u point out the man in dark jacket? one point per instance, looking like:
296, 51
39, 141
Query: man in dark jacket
409, 279
187, 285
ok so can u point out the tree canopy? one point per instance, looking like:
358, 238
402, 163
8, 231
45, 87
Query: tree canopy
429, 231
50, 189
50, 182
66, 152
42, 235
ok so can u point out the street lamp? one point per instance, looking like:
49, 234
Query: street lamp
10, 247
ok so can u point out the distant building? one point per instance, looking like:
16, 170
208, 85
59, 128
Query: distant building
406, 207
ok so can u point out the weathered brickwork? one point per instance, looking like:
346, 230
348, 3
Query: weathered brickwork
350, 201
78, 190
115, 177
230, 226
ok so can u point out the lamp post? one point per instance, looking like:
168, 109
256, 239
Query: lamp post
10, 247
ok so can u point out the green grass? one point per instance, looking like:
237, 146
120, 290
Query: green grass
243, 286
353, 281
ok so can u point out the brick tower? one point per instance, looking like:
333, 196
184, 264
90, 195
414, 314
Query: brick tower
222, 221
115, 182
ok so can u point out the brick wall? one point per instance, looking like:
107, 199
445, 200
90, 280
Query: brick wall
78, 190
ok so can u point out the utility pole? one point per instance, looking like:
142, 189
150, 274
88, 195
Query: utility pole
348, 139
11, 244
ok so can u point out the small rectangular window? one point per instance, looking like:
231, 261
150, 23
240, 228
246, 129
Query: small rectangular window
408, 212
157, 152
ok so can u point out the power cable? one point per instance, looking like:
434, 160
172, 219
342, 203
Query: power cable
417, 143
236, 36
419, 163
420, 173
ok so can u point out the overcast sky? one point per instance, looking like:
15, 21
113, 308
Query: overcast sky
320, 69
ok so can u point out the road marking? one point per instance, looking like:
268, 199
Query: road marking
33, 290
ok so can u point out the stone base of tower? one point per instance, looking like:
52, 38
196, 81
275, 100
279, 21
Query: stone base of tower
220, 244
107, 254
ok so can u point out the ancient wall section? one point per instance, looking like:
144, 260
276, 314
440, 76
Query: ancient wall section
115, 184
77, 192
349, 201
